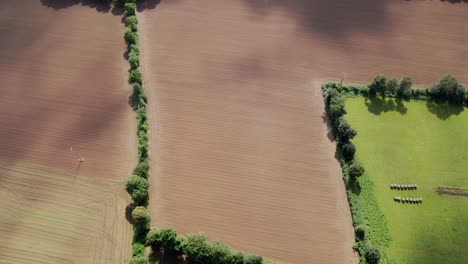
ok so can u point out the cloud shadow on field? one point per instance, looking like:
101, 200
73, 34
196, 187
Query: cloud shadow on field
335, 19
443, 109
61, 4
377, 105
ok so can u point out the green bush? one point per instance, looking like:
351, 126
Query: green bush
392, 86
131, 38
404, 90
141, 216
347, 151
450, 89
130, 9
132, 23
133, 48
372, 254
133, 60
138, 260
253, 260
355, 170
135, 76
195, 247
138, 250
137, 187
165, 238
360, 232
142, 169
345, 131
379, 85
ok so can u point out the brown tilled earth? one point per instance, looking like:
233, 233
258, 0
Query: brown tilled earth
239, 143
64, 84
63, 78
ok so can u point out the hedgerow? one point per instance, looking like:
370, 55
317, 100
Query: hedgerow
372, 234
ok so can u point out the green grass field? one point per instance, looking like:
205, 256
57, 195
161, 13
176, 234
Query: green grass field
416, 143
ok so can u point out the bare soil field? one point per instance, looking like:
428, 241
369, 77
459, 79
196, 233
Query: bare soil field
47, 216
64, 84
239, 145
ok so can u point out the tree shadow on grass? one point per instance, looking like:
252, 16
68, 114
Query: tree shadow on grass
376, 105
443, 109
128, 212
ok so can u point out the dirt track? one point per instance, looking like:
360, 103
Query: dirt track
239, 144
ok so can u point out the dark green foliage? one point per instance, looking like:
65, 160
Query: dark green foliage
141, 216
253, 260
372, 254
135, 76
138, 260
137, 187
165, 238
392, 86
138, 249
132, 23
404, 90
345, 131
450, 89
360, 232
139, 97
195, 247
134, 61
355, 170
237, 258
130, 37
378, 86
347, 151
142, 168
130, 9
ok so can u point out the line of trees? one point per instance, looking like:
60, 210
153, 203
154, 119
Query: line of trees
448, 88
196, 249
137, 184
352, 169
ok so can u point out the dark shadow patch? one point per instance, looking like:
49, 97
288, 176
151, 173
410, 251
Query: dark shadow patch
443, 109
162, 257
336, 19
377, 105
128, 212
147, 5
61, 4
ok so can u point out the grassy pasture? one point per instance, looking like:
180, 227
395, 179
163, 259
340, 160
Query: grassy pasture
47, 216
421, 143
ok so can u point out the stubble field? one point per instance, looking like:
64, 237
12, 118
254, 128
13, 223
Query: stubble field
240, 147
64, 86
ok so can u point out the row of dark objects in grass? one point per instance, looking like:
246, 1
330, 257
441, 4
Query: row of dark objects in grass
401, 187
407, 199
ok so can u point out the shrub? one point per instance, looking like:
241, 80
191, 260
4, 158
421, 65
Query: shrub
372, 254
253, 260
141, 216
132, 23
356, 170
345, 131
449, 88
130, 37
348, 150
360, 232
237, 258
133, 48
142, 169
137, 187
379, 85
135, 76
196, 248
392, 86
138, 260
130, 9
404, 90
165, 238
138, 250
133, 60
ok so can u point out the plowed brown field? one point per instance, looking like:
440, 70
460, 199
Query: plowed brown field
240, 148
63, 84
